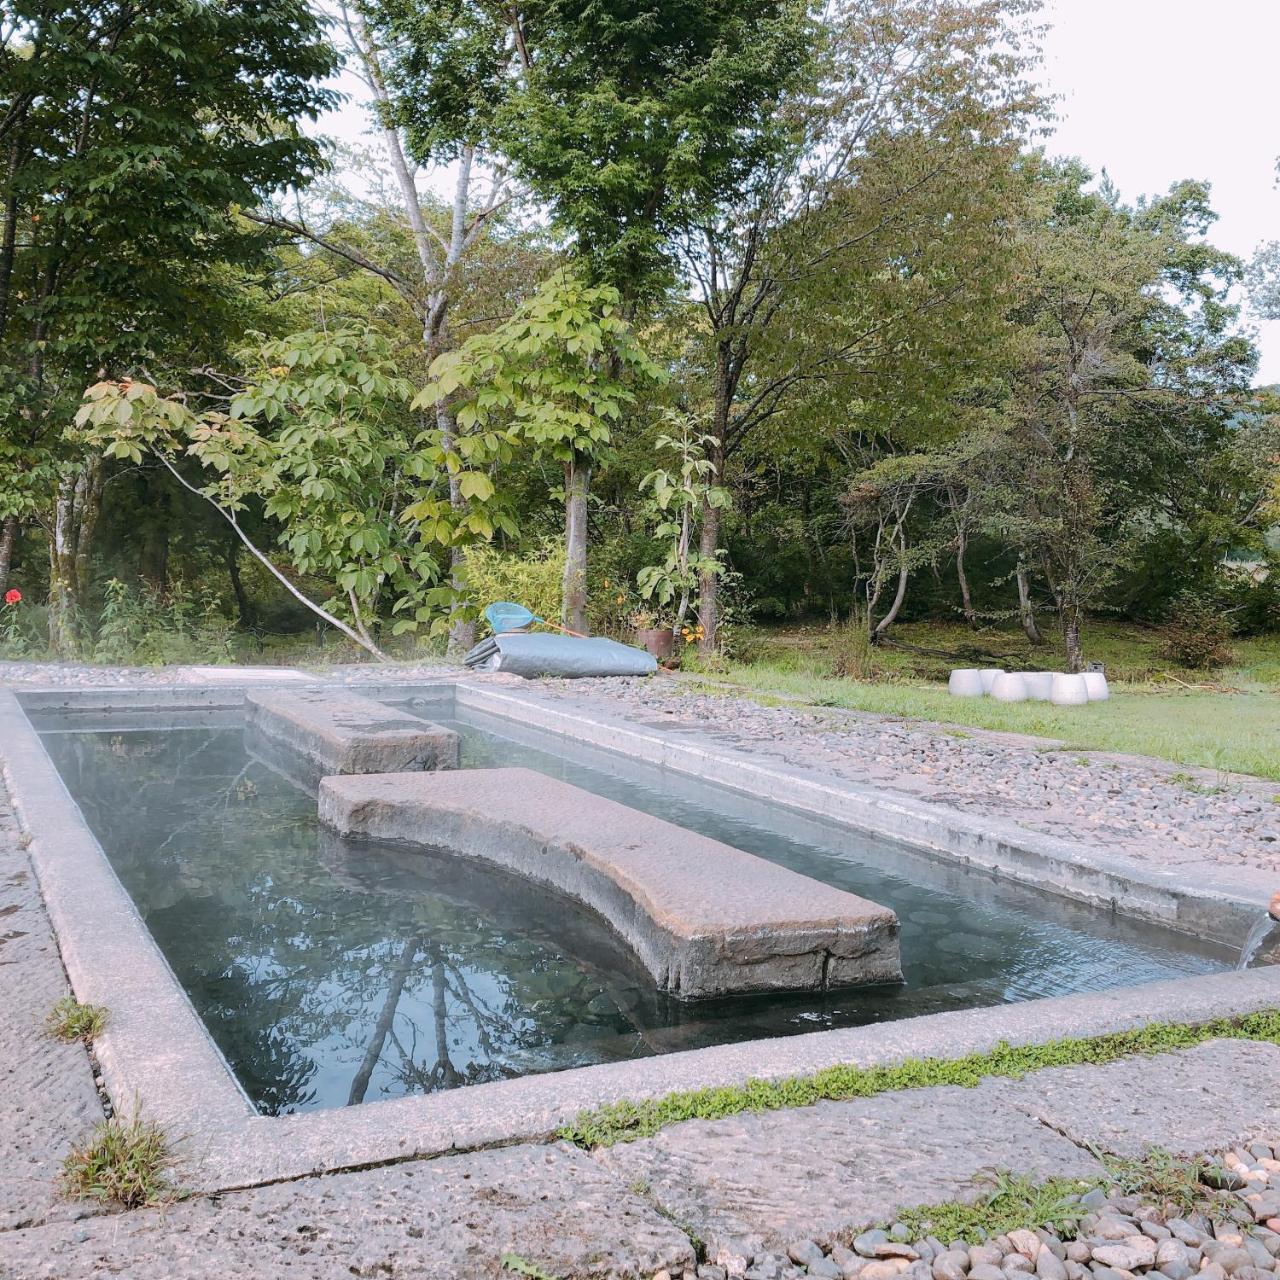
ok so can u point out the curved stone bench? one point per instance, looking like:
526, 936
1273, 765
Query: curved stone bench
704, 919
314, 732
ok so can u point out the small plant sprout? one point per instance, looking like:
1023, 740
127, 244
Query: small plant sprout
125, 1162
70, 1020
522, 1267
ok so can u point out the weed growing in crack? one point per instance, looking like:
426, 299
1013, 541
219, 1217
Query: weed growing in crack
125, 1162
1012, 1202
70, 1020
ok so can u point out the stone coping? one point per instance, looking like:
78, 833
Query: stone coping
155, 1048
704, 919
335, 731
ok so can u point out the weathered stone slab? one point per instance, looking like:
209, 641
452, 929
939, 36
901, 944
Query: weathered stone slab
455, 1217
1219, 1095
329, 732
825, 1172
704, 919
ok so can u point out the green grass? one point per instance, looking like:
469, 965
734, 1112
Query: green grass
70, 1020
1012, 1203
627, 1121
1148, 713
125, 1163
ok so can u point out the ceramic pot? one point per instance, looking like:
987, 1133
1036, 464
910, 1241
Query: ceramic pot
1009, 686
965, 684
1068, 691
656, 640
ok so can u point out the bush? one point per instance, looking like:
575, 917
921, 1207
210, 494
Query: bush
533, 580
151, 627
1196, 635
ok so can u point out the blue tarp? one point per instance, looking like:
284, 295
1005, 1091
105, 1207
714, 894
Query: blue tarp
536, 654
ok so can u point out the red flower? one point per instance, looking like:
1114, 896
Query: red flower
13, 596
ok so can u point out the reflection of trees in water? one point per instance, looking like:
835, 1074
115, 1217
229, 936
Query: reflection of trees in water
309, 957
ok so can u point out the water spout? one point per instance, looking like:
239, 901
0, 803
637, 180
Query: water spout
1260, 932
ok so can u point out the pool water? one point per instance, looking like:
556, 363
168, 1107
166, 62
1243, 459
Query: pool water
335, 972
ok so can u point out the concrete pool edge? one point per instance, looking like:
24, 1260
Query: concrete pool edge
159, 1051
1201, 899
155, 1047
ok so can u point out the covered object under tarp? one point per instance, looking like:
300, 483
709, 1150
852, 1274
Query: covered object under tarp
534, 654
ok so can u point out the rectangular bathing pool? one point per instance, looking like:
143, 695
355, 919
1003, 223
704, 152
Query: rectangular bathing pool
331, 972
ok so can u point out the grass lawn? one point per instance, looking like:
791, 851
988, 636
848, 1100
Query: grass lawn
1233, 725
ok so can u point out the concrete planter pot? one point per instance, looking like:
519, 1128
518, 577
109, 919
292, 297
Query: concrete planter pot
1068, 690
1009, 686
656, 640
1039, 685
1096, 683
989, 677
965, 684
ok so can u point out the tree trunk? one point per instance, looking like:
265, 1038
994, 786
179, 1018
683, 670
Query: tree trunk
966, 598
1071, 626
577, 486
882, 627
243, 608
88, 508
709, 581
76, 507
64, 606
1026, 613
8, 539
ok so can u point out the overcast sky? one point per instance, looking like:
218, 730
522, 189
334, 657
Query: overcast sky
1157, 90
1152, 91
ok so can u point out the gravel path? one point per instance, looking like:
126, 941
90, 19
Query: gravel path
1123, 804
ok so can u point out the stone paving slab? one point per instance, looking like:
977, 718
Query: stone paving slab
755, 1182
47, 1096
704, 918
453, 1218
1222, 1094
336, 731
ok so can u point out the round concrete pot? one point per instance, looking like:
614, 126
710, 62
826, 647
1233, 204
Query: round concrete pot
1096, 683
1039, 685
1068, 690
1009, 686
988, 675
965, 684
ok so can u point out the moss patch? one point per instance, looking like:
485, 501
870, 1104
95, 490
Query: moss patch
627, 1121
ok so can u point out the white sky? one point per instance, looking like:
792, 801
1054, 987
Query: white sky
1153, 91
1158, 90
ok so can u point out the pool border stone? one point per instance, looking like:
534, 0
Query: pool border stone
156, 1049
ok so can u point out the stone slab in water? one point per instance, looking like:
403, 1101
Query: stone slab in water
704, 919
340, 732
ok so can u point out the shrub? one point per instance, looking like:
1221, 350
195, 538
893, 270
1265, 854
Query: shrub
533, 580
151, 627
1196, 635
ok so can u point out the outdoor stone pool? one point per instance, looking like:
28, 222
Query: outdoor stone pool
332, 972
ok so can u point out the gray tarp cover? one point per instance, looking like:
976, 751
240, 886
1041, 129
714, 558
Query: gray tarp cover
536, 653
